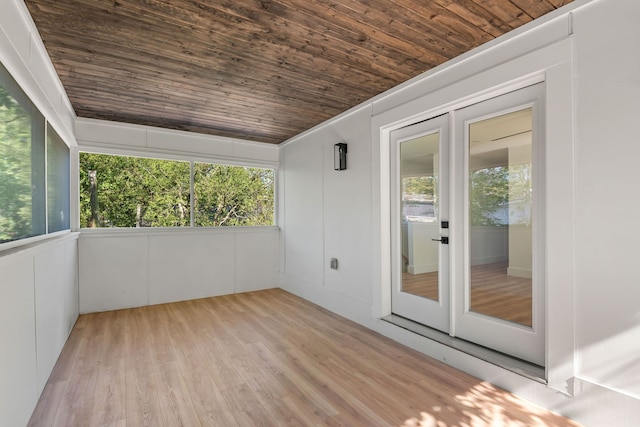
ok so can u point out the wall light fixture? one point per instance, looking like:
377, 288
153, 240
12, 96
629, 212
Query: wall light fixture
340, 156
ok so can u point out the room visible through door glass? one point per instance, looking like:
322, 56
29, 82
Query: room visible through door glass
500, 217
420, 227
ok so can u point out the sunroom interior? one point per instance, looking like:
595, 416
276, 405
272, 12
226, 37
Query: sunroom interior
569, 250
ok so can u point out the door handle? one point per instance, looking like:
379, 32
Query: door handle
444, 240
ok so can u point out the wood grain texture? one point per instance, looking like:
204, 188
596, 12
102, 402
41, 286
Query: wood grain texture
497, 294
257, 70
264, 358
423, 285
493, 292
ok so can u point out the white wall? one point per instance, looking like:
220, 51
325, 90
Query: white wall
489, 244
122, 268
38, 281
422, 254
123, 138
327, 214
585, 52
18, 366
38, 308
607, 196
133, 268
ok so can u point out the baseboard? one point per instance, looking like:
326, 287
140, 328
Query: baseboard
422, 268
354, 309
519, 272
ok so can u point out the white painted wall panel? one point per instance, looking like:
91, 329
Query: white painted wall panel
125, 138
18, 395
16, 35
488, 244
256, 261
104, 132
256, 151
347, 207
189, 142
607, 199
37, 284
113, 272
39, 66
304, 245
190, 266
71, 290
54, 281
138, 267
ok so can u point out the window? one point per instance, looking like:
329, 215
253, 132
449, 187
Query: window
419, 198
232, 195
24, 170
119, 191
123, 191
57, 182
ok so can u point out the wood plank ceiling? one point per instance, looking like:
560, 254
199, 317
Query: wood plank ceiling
260, 70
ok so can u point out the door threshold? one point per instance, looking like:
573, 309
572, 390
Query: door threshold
513, 364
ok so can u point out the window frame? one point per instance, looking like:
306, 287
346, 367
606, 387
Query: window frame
168, 156
40, 128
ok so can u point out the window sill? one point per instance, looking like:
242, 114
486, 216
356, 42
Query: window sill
163, 231
36, 243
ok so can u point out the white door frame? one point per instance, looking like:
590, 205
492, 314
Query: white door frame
552, 63
527, 343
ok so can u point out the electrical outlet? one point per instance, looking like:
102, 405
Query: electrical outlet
334, 263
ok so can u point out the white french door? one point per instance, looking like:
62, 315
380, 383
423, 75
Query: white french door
485, 283
420, 193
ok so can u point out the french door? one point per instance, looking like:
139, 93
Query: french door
468, 223
420, 192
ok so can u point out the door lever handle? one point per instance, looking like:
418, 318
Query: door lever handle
444, 240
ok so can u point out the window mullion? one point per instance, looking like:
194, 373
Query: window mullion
191, 195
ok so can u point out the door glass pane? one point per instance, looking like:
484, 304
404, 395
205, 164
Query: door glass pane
500, 223
419, 189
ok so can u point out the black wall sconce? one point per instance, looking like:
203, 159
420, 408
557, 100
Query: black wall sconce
340, 156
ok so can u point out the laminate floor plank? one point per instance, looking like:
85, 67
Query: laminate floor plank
142, 401
45, 412
175, 401
493, 291
109, 398
264, 358
77, 401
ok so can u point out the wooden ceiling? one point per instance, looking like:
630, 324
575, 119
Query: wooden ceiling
260, 70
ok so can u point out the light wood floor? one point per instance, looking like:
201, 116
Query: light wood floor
493, 292
424, 284
266, 359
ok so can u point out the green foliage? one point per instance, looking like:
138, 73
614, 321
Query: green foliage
140, 192
231, 195
498, 188
135, 192
520, 194
421, 186
488, 192
15, 169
